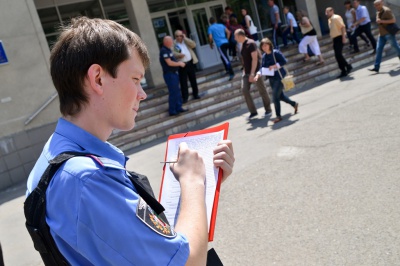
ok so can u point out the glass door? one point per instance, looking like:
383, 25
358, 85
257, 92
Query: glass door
193, 20
207, 57
167, 23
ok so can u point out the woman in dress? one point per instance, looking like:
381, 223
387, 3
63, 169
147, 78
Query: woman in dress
309, 38
273, 60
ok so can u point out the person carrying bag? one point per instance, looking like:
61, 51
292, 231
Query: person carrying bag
272, 61
287, 81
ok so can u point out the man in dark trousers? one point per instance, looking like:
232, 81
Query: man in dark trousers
337, 31
251, 64
219, 34
170, 67
276, 22
362, 24
183, 51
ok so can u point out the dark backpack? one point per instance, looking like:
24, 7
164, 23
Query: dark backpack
35, 209
35, 212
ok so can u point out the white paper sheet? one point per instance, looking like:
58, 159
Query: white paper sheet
266, 72
170, 195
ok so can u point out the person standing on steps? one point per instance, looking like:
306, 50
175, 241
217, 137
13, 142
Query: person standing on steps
232, 44
249, 25
362, 25
183, 51
337, 31
276, 22
273, 60
170, 67
309, 39
251, 63
384, 16
350, 16
231, 49
291, 28
229, 12
233, 26
219, 34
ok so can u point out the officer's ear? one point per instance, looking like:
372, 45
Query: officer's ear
94, 79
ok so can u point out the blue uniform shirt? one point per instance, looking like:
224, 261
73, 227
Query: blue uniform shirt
164, 54
218, 33
92, 206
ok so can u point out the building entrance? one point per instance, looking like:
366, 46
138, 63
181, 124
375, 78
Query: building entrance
193, 20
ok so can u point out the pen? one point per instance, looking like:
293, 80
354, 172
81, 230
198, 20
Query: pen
175, 160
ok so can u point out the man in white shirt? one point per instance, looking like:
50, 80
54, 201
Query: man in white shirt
183, 51
363, 21
291, 27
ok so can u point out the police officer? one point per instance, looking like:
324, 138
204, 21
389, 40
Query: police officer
95, 214
170, 73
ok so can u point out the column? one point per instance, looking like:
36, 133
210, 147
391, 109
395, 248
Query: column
310, 7
140, 20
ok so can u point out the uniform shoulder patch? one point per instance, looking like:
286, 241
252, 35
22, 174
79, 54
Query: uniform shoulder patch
165, 55
146, 214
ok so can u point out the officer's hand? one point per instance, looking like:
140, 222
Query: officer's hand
224, 158
189, 167
182, 64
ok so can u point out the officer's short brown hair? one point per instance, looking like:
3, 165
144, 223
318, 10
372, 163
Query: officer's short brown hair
85, 42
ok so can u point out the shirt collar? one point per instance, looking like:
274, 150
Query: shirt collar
70, 137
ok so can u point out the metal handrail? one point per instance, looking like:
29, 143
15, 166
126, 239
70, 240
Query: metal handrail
41, 108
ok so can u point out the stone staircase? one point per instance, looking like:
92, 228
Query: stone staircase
220, 97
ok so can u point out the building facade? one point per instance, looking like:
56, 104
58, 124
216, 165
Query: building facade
28, 28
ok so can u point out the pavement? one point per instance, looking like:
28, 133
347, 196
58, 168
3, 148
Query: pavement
322, 187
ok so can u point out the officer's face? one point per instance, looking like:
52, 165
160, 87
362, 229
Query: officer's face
122, 95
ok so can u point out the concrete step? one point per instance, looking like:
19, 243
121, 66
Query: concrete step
221, 97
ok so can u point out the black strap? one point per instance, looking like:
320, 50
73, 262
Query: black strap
35, 208
143, 190
35, 214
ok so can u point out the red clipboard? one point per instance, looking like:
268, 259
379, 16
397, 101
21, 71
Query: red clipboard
223, 127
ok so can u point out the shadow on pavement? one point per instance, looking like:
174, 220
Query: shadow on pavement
258, 122
284, 123
394, 73
347, 78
